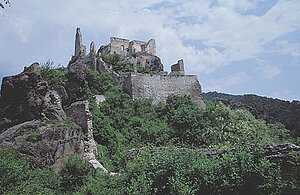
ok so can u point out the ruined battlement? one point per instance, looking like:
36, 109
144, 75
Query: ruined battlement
124, 47
157, 85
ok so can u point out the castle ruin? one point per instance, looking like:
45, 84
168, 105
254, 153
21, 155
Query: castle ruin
124, 47
140, 71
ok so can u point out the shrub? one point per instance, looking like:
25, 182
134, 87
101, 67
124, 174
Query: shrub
103, 183
19, 176
74, 172
33, 137
99, 83
191, 172
55, 76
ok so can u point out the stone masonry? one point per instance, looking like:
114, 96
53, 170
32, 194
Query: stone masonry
125, 47
178, 68
159, 86
80, 49
141, 55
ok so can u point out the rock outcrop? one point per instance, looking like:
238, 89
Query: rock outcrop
25, 97
80, 113
46, 144
80, 49
76, 75
26, 101
49, 143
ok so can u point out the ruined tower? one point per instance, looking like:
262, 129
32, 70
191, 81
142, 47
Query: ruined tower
80, 49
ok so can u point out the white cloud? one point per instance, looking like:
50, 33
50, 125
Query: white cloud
175, 24
266, 70
226, 82
18, 25
286, 48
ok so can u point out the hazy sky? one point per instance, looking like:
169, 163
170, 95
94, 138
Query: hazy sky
234, 46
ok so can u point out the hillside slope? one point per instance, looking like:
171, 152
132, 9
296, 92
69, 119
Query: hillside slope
268, 109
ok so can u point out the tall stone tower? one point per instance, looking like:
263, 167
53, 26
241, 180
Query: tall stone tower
80, 49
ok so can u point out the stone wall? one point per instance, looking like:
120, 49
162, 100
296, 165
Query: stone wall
136, 46
119, 46
124, 47
150, 47
178, 69
159, 86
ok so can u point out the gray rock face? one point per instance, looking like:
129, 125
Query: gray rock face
92, 56
279, 151
80, 49
53, 108
47, 145
23, 98
145, 59
80, 113
76, 75
99, 98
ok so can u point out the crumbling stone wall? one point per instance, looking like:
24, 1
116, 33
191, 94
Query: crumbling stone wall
118, 46
150, 47
80, 49
159, 87
178, 68
123, 47
136, 46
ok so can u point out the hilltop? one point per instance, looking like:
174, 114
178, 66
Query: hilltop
269, 109
113, 122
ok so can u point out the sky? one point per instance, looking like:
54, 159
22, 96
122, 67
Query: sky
233, 46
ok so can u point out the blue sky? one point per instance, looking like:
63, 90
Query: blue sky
233, 46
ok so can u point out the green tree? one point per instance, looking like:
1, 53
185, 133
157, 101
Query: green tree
5, 2
74, 172
54, 75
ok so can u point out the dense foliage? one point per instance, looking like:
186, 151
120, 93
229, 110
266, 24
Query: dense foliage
269, 109
74, 172
54, 75
182, 128
19, 176
121, 123
117, 64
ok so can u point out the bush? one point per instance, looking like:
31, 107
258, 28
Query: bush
103, 183
19, 176
217, 125
74, 172
191, 172
99, 83
33, 137
55, 76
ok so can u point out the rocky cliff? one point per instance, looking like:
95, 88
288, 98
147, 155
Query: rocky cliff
34, 122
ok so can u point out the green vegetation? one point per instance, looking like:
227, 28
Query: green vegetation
55, 76
117, 64
145, 70
121, 123
268, 109
33, 137
19, 176
74, 172
65, 123
192, 172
